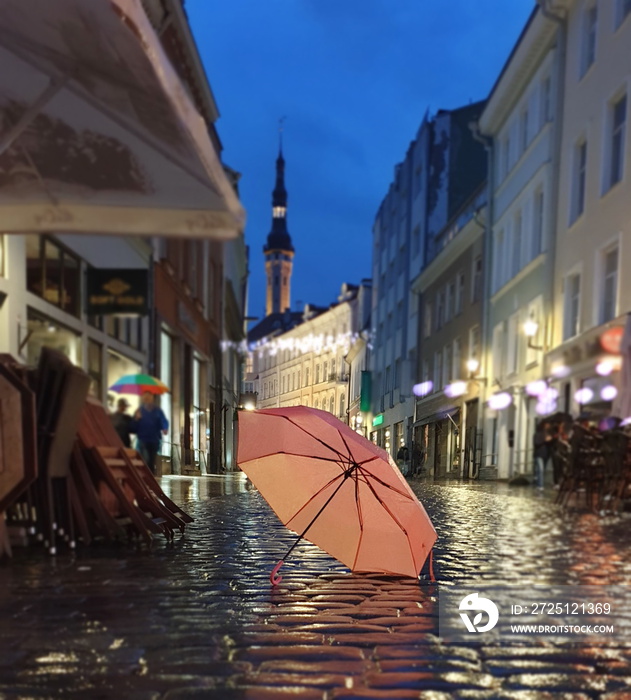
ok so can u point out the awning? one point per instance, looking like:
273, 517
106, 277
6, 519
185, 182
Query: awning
96, 131
437, 416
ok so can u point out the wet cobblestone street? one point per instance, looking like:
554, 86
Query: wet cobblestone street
198, 619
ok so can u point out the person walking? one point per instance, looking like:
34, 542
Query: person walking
149, 424
542, 440
121, 421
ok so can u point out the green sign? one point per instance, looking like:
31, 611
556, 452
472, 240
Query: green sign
377, 420
366, 392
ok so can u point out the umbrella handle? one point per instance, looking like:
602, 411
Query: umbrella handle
274, 578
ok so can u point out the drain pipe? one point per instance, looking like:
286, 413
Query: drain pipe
559, 18
487, 261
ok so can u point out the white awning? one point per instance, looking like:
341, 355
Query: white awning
96, 131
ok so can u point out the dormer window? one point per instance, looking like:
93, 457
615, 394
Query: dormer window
278, 212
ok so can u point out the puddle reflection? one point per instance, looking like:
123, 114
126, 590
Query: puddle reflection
184, 489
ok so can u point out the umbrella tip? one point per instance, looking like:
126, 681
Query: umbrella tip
274, 578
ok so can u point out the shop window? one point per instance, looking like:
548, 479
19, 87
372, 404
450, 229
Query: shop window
118, 366
94, 369
46, 332
53, 273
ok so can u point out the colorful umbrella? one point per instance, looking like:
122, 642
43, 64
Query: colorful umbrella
335, 488
138, 384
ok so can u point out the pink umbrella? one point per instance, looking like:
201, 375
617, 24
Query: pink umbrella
335, 488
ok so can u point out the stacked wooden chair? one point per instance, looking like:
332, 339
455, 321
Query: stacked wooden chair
64, 472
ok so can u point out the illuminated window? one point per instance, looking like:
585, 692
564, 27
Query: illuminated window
278, 212
590, 24
618, 120
53, 273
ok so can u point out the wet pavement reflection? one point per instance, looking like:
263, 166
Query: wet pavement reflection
197, 618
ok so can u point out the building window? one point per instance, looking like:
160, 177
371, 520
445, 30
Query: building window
571, 311
618, 126
306, 376
623, 8
609, 300
516, 261
506, 156
457, 359
460, 282
53, 273
580, 172
397, 374
389, 325
342, 406
498, 351
590, 26
400, 315
476, 286
447, 364
388, 382
523, 128
474, 343
546, 101
440, 309
325, 368
317, 374
438, 370
427, 320
537, 232
451, 301
416, 241
513, 343
500, 260
95, 368
332, 405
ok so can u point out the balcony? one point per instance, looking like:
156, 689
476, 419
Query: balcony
338, 378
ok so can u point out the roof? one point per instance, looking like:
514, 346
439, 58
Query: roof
274, 324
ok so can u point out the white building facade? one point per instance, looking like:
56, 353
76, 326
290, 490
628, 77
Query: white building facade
592, 294
521, 125
306, 365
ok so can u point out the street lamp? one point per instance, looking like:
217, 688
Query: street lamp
531, 328
473, 365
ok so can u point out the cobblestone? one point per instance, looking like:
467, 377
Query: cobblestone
198, 619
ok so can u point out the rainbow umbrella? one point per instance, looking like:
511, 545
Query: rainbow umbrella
138, 384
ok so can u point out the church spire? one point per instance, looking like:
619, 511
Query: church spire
278, 250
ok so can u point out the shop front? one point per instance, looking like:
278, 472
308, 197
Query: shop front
184, 358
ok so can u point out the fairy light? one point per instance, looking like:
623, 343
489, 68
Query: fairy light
500, 401
584, 395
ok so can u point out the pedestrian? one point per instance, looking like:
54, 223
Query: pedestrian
403, 456
542, 440
149, 424
122, 421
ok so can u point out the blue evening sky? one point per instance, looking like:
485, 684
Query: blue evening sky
353, 79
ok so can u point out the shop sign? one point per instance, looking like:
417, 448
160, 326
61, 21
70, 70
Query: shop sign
610, 340
116, 292
377, 420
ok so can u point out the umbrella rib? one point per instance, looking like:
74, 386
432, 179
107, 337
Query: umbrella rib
391, 514
317, 439
315, 495
360, 518
385, 483
295, 454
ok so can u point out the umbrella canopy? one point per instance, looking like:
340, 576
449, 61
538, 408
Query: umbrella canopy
138, 384
622, 403
336, 488
97, 132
